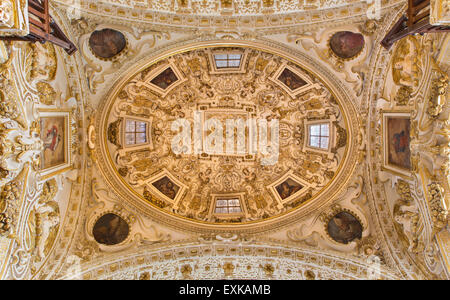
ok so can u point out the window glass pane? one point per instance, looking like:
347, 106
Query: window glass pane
130, 139
234, 210
314, 130
221, 210
220, 56
234, 56
233, 202
324, 143
325, 130
221, 203
314, 141
234, 63
221, 63
141, 126
228, 60
130, 126
141, 138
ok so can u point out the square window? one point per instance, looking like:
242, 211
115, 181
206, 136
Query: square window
324, 130
234, 210
221, 203
319, 135
223, 61
221, 210
228, 206
233, 202
141, 126
135, 132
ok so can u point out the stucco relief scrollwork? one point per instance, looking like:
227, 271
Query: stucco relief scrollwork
254, 92
97, 69
229, 261
140, 231
315, 231
413, 84
10, 203
326, 41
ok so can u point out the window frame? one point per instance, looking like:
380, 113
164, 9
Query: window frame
228, 206
213, 69
332, 136
124, 132
228, 60
226, 216
320, 136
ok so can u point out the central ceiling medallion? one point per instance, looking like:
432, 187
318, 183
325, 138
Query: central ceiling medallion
193, 140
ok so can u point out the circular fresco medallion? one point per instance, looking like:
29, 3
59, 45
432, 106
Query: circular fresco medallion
110, 229
223, 136
107, 43
346, 44
344, 227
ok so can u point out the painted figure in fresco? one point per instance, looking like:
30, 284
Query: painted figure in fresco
399, 153
52, 139
286, 190
166, 187
165, 79
107, 43
344, 228
346, 44
401, 141
406, 63
291, 80
6, 14
110, 229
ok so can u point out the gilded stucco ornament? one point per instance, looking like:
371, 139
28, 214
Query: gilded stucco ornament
230, 261
439, 212
407, 69
343, 48
437, 99
407, 218
46, 219
13, 19
408, 87
198, 179
191, 14
127, 43
10, 202
133, 232
47, 95
41, 62
316, 266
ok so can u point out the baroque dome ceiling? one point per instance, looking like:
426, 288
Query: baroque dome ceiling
199, 182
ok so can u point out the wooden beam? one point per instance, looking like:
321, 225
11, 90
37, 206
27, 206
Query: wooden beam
43, 28
416, 21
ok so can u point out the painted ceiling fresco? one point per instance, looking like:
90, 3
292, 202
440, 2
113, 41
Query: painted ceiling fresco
189, 183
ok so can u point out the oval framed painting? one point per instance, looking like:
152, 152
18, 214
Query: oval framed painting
344, 227
110, 229
106, 44
346, 44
